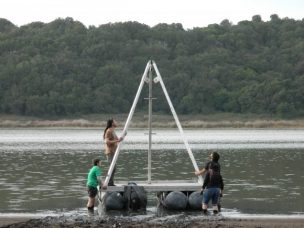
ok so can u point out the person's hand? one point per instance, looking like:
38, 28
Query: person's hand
120, 139
197, 172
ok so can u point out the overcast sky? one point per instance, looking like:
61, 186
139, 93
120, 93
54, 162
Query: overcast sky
190, 13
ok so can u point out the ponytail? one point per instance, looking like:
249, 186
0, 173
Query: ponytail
109, 124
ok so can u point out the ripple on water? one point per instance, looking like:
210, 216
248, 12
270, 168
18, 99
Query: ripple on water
267, 186
53, 165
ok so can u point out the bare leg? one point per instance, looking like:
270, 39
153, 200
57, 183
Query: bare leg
110, 158
215, 209
91, 202
205, 206
90, 205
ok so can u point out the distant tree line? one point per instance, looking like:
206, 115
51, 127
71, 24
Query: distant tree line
64, 68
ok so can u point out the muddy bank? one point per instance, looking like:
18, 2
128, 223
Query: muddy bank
153, 221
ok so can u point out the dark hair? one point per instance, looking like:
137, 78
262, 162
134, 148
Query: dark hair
215, 156
96, 161
109, 124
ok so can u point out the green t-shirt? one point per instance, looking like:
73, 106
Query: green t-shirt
95, 171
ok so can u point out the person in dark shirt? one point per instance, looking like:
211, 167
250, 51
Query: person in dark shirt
214, 157
212, 187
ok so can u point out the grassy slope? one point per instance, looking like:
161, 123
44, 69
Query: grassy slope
140, 120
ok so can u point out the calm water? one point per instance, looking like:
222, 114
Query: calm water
43, 171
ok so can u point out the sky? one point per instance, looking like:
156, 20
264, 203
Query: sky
190, 13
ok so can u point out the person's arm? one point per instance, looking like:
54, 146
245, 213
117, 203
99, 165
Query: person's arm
99, 177
99, 180
204, 170
200, 172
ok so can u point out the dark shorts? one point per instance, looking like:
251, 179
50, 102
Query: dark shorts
211, 194
92, 191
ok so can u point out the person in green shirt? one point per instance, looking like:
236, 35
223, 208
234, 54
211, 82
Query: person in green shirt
94, 179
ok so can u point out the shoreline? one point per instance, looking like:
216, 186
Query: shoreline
170, 221
140, 120
193, 124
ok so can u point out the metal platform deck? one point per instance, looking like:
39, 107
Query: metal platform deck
159, 186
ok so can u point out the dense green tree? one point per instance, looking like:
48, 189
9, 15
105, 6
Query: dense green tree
65, 68
6, 26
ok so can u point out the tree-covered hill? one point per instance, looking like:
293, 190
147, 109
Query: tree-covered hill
64, 68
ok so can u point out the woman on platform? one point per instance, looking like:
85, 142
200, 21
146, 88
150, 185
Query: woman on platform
111, 142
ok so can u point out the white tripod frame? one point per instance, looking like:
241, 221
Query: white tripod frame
148, 78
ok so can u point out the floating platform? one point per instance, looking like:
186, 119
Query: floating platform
172, 194
159, 186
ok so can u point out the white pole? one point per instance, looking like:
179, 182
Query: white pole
150, 125
177, 122
110, 171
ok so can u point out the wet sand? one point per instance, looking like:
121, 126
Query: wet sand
4, 221
171, 221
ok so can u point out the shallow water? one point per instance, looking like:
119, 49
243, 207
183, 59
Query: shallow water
43, 171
